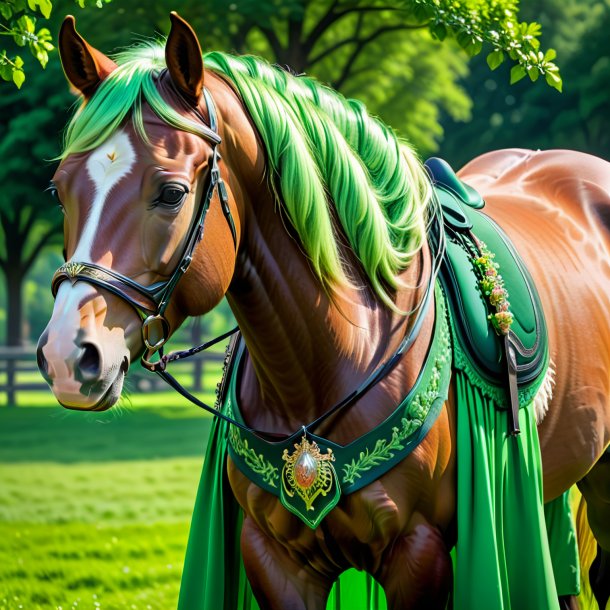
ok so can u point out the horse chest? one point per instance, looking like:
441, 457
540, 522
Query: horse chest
359, 530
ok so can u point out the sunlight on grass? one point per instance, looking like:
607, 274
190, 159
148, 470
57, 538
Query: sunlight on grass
135, 566
95, 508
110, 492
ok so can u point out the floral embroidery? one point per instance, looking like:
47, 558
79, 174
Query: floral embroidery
255, 461
492, 286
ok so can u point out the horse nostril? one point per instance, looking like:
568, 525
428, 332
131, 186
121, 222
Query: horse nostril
89, 363
43, 365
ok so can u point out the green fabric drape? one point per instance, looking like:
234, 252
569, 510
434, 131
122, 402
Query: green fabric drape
502, 553
502, 556
563, 544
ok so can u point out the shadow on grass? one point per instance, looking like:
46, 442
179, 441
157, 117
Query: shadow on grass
52, 434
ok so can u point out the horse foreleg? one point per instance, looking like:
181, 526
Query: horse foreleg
595, 487
416, 572
278, 581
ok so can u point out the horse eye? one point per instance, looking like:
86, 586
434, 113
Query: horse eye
172, 195
53, 190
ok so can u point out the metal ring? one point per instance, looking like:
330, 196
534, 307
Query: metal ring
161, 324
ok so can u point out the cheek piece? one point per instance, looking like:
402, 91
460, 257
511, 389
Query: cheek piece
150, 302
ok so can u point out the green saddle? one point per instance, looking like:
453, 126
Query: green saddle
465, 227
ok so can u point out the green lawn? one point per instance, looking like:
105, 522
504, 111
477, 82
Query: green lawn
95, 508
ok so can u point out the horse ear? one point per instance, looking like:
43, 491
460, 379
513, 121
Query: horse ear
184, 58
85, 67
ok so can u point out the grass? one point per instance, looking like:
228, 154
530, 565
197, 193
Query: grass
87, 566
95, 508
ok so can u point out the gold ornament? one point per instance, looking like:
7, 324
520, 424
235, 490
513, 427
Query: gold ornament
307, 472
71, 269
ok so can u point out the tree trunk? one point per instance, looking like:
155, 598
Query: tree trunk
14, 324
14, 311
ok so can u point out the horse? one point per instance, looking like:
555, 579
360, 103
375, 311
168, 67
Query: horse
318, 240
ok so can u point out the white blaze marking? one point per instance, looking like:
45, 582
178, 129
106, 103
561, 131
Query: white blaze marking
106, 166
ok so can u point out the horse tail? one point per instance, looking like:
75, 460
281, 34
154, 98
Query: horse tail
587, 549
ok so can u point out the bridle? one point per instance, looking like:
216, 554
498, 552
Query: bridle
151, 302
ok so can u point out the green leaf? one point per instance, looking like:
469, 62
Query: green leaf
550, 55
41, 55
495, 59
6, 10
439, 31
554, 80
533, 72
6, 70
475, 48
18, 78
516, 74
27, 23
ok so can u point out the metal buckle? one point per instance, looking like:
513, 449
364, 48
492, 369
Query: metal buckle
155, 323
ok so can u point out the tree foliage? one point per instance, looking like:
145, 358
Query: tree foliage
505, 116
29, 220
19, 21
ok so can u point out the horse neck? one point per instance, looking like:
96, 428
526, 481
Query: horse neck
306, 350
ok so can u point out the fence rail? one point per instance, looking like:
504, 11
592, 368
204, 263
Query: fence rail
17, 361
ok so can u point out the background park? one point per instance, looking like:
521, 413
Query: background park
95, 508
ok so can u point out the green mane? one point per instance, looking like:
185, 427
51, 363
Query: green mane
321, 148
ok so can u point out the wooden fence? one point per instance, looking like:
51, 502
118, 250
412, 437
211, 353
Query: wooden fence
19, 362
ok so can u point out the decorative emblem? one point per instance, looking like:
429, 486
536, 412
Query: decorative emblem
307, 475
71, 269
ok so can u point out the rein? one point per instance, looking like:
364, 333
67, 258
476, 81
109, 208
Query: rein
150, 302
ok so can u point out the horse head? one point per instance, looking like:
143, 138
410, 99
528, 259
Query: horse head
140, 172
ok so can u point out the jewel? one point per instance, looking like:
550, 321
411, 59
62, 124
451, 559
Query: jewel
305, 470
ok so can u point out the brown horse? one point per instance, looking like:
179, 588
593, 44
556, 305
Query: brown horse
130, 192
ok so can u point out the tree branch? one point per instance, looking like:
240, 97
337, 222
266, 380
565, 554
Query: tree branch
361, 45
5, 222
273, 41
330, 50
367, 9
42, 242
327, 20
29, 223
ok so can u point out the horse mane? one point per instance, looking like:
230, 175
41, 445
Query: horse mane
320, 147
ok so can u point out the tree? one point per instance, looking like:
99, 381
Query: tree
386, 52
19, 21
29, 220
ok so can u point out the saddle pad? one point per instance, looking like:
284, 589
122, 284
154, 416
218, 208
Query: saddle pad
464, 224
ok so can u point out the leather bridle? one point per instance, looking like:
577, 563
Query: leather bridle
151, 302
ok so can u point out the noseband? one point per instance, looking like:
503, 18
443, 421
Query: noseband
151, 301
